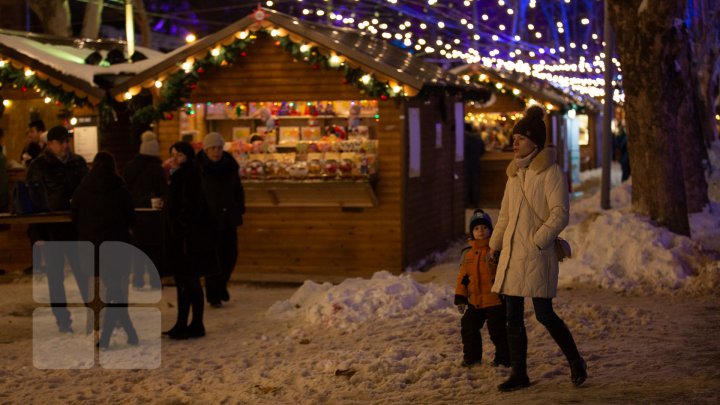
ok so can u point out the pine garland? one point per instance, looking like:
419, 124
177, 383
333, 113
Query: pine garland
17, 79
178, 86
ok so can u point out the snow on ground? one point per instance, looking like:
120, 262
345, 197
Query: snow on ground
642, 304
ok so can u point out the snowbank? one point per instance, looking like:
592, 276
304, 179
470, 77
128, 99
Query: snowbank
623, 251
356, 300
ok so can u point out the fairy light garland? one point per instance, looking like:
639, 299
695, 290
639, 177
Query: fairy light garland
176, 88
26, 79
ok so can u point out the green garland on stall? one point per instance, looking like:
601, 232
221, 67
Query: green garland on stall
178, 86
17, 79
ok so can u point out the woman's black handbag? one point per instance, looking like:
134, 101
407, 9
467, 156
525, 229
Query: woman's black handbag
29, 198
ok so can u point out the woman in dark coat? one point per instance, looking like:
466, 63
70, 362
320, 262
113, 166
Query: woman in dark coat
226, 203
102, 211
189, 245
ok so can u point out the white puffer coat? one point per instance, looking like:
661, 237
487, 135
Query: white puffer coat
528, 266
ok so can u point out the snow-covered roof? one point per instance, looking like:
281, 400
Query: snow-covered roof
63, 59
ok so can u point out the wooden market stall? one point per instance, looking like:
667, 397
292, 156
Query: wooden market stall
359, 174
494, 120
56, 80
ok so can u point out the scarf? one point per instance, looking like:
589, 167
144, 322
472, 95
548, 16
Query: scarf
524, 162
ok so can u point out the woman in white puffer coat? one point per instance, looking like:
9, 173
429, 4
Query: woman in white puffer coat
533, 212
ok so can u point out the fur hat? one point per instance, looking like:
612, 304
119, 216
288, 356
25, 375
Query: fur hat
149, 145
213, 139
532, 126
58, 133
480, 217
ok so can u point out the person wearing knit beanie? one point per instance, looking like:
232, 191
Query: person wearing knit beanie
480, 217
532, 126
149, 145
213, 139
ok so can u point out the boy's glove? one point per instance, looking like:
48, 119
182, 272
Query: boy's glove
461, 309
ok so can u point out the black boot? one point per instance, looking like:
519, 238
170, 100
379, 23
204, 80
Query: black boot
196, 328
562, 336
179, 330
578, 372
517, 345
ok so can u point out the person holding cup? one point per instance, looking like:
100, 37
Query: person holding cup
147, 183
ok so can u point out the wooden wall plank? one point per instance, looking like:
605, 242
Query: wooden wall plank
324, 242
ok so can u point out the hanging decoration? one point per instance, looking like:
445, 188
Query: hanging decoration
25, 80
177, 87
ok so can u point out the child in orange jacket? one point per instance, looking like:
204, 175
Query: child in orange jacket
477, 274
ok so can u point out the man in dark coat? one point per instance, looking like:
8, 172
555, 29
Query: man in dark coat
102, 211
61, 172
34, 145
145, 178
226, 203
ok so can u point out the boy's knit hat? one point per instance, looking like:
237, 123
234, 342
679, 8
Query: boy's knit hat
532, 126
480, 217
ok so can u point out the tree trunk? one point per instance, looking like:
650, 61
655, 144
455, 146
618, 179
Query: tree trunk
92, 19
690, 138
705, 31
54, 16
142, 22
648, 46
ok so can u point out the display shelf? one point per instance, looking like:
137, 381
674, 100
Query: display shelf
287, 117
309, 193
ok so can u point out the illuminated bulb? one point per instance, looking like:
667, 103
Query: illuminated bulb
531, 27
269, 3
215, 52
485, 17
158, 84
538, 35
304, 48
397, 89
29, 72
585, 21
187, 66
366, 79
274, 33
128, 96
334, 60
73, 121
6, 103
516, 92
2, 63
190, 38
510, 11
243, 34
47, 100
441, 24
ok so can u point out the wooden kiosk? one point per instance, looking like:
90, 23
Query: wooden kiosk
512, 94
389, 213
49, 78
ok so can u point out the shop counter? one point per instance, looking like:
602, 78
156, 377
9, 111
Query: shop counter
309, 193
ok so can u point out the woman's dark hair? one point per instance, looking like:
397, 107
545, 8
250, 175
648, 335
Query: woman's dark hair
186, 150
104, 162
37, 124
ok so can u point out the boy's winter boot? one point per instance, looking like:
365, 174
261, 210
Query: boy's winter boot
517, 343
578, 368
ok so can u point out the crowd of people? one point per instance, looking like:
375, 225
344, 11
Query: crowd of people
202, 203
